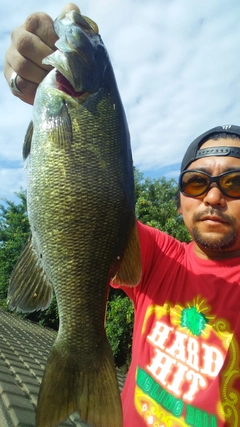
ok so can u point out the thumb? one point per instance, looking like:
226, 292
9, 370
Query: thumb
70, 6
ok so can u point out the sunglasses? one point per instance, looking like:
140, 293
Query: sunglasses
194, 183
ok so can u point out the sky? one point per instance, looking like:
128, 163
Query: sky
177, 65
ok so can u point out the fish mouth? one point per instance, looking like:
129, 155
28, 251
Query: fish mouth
64, 85
78, 57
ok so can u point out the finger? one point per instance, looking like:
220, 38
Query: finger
25, 68
29, 46
29, 76
27, 88
41, 25
70, 6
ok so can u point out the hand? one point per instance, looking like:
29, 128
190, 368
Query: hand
30, 43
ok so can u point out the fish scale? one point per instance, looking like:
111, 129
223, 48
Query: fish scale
83, 230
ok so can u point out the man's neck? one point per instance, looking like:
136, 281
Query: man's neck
214, 255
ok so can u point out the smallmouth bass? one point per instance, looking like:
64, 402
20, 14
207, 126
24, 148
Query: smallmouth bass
83, 230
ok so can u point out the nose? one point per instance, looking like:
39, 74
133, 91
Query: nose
214, 197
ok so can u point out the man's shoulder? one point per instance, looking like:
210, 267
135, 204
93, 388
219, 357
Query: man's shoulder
154, 238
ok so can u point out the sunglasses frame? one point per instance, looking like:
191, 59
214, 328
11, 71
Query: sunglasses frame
211, 178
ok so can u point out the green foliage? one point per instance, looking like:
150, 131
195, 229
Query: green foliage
48, 317
119, 326
14, 232
156, 205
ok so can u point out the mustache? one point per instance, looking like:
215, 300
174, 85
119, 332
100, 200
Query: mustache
214, 212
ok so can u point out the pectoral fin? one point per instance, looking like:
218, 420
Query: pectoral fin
27, 141
60, 127
29, 289
130, 270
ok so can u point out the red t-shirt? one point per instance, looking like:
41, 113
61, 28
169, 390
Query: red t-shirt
185, 355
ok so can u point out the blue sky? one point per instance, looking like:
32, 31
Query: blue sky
177, 64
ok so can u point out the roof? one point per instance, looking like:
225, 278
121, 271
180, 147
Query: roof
24, 349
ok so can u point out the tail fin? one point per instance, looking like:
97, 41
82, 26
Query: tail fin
91, 389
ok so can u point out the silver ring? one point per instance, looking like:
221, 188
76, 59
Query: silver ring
13, 84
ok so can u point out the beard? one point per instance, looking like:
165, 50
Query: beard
211, 241
215, 244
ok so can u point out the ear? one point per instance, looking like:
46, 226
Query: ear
179, 205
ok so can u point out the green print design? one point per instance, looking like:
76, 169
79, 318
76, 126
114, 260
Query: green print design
193, 320
150, 394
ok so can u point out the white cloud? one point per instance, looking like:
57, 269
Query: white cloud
13, 180
14, 119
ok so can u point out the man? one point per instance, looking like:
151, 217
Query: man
185, 357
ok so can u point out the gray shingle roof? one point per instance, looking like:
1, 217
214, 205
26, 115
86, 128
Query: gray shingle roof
24, 349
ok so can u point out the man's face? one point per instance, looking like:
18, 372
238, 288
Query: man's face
213, 219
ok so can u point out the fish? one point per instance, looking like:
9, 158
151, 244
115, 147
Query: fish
80, 199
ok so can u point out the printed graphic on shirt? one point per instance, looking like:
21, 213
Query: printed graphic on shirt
188, 381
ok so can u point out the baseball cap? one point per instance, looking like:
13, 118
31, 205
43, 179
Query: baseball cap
193, 152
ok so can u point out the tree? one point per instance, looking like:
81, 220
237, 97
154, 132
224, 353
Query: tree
156, 205
119, 328
14, 232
